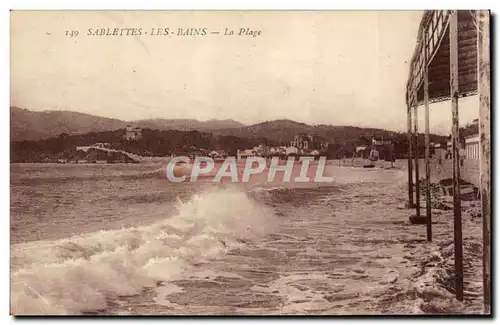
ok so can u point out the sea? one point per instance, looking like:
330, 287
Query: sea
124, 240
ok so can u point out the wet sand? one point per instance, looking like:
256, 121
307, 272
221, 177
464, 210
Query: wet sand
356, 254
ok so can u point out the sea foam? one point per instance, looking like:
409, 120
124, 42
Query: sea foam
83, 273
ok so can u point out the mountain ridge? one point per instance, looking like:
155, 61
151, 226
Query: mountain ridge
31, 125
35, 125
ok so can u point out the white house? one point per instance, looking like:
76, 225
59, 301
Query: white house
260, 150
291, 150
101, 145
308, 142
245, 153
132, 134
472, 147
83, 148
361, 148
382, 142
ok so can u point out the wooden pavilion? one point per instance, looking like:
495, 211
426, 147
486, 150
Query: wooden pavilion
452, 60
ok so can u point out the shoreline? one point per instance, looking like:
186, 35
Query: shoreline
435, 286
383, 259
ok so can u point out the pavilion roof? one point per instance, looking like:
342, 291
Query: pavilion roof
433, 37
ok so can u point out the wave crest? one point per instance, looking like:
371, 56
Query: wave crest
81, 273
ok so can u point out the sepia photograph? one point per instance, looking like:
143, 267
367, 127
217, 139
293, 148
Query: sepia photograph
252, 162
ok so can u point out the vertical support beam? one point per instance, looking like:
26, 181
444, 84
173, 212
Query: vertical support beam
483, 19
417, 172
457, 211
410, 162
427, 144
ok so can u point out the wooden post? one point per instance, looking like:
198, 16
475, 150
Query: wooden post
410, 162
427, 144
483, 22
457, 212
392, 154
417, 173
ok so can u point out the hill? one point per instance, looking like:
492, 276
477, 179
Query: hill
154, 143
166, 136
343, 139
31, 125
283, 131
187, 124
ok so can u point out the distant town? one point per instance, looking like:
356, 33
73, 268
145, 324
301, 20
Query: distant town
136, 145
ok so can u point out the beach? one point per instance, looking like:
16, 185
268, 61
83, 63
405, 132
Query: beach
119, 239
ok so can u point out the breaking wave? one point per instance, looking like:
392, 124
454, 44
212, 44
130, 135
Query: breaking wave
83, 273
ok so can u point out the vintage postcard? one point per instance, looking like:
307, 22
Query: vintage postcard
250, 162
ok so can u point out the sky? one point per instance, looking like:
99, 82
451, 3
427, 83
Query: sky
316, 67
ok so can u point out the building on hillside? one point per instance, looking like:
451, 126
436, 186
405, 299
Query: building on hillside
245, 153
381, 142
382, 149
308, 142
132, 134
217, 154
83, 148
291, 150
260, 150
362, 151
102, 145
277, 151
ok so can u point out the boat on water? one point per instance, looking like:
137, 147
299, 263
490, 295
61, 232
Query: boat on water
372, 157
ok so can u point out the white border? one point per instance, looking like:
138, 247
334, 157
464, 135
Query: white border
251, 4
189, 5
